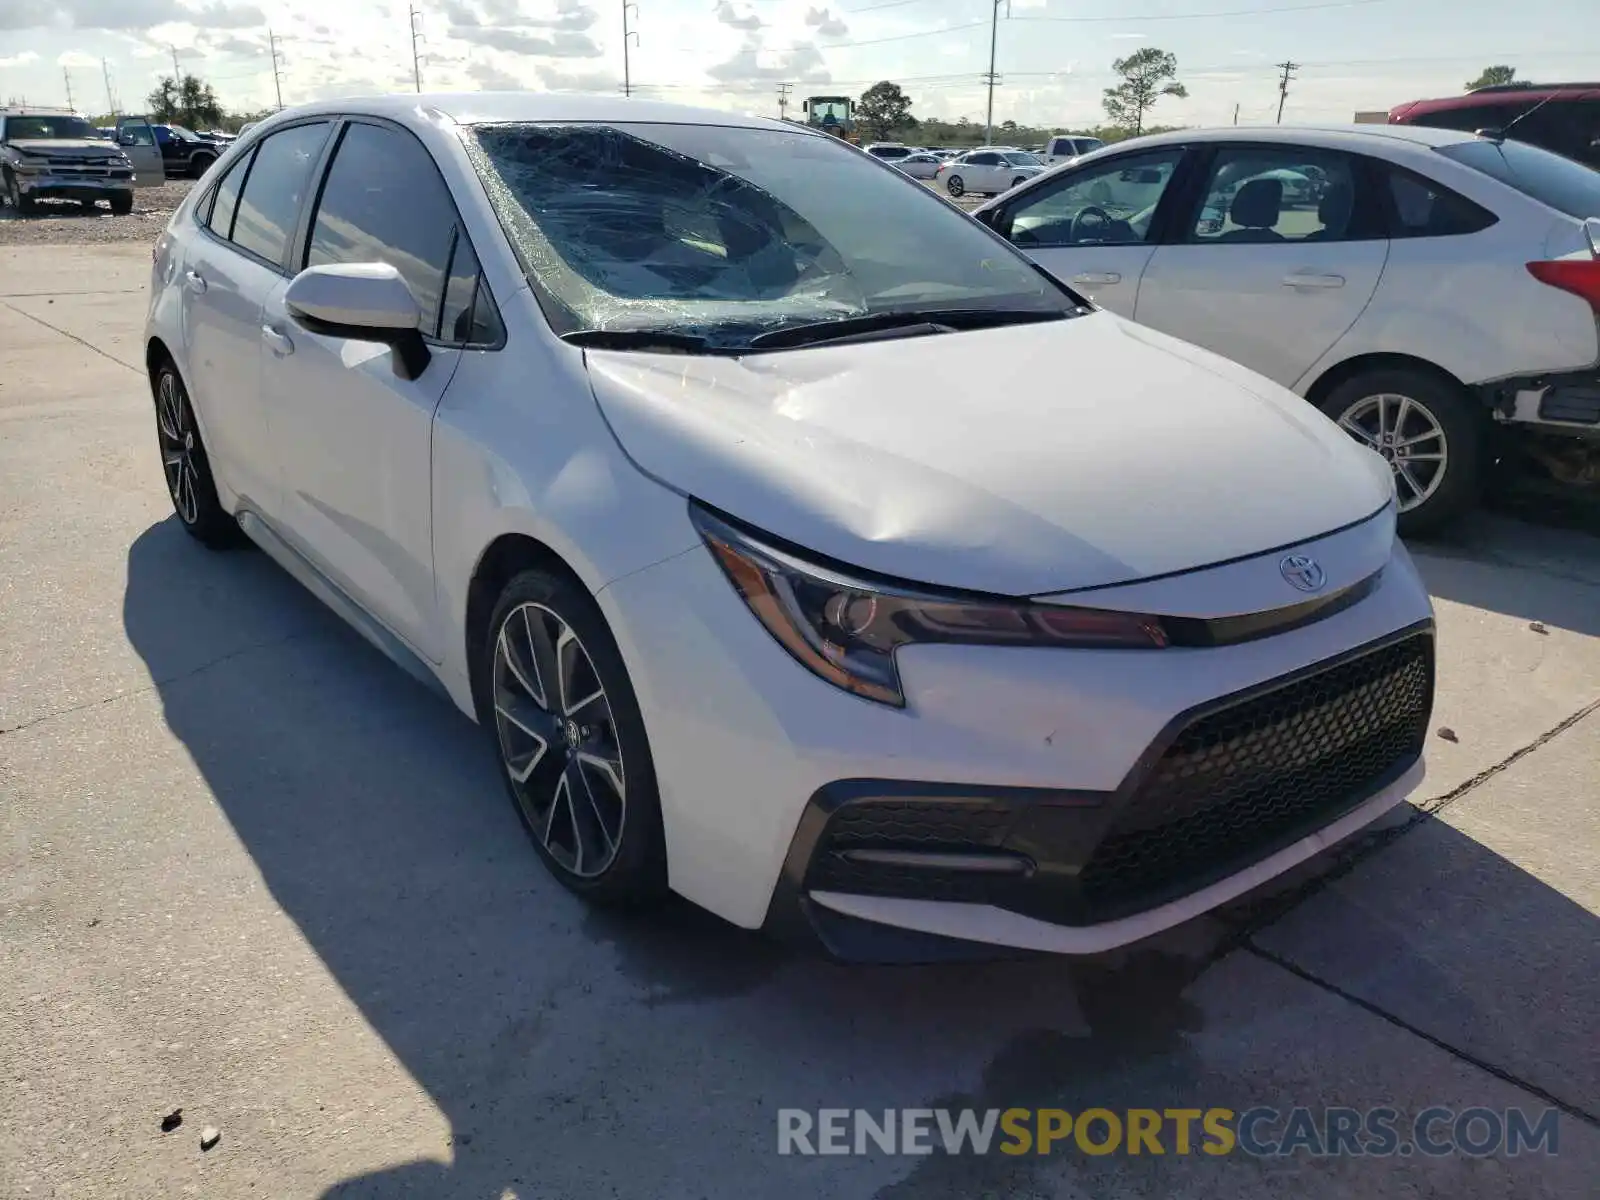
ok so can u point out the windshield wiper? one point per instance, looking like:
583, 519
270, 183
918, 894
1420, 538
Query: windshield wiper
661, 340
914, 323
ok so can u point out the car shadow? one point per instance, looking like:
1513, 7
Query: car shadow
579, 1052
1498, 563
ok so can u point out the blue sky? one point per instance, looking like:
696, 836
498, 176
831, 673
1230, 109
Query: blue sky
1054, 56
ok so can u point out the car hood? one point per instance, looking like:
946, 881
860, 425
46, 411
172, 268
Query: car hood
979, 461
68, 147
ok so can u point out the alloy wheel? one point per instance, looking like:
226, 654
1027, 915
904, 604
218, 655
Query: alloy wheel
175, 423
1410, 439
558, 740
955, 186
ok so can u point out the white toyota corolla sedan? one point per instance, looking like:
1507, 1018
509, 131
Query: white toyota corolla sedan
630, 426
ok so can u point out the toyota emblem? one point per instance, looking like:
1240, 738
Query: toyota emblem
1303, 572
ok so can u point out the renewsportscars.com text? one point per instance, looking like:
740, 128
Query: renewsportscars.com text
1316, 1132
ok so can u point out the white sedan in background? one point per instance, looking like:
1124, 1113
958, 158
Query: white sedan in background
988, 171
918, 166
1433, 292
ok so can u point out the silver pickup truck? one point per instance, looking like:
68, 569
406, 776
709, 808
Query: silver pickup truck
55, 154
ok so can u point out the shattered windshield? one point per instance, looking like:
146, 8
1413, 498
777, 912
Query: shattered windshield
725, 232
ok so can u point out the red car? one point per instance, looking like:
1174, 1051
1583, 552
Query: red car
1564, 117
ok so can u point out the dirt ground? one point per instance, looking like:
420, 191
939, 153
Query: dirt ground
68, 223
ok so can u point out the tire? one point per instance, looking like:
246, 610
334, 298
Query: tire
605, 841
1019, 181
199, 163
955, 185
122, 203
185, 465
1370, 403
26, 205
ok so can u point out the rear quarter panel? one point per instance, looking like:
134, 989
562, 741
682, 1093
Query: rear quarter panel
1467, 304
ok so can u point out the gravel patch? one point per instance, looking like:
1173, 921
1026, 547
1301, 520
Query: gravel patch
65, 222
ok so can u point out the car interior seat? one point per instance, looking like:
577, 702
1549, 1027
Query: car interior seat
1255, 209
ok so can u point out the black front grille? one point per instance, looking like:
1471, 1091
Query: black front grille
1234, 785
1241, 781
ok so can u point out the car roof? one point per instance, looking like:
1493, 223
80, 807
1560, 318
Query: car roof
472, 108
1505, 95
1368, 137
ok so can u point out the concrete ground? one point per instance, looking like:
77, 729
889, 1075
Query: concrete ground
250, 870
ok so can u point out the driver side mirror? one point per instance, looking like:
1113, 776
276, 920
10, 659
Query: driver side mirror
367, 302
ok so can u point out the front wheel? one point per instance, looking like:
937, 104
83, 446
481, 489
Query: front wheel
955, 185
122, 203
199, 163
1429, 431
571, 740
24, 204
1019, 181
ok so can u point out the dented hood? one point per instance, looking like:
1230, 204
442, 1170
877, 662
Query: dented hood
1020, 460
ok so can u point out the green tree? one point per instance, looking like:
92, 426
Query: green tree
882, 109
1147, 75
1493, 77
186, 101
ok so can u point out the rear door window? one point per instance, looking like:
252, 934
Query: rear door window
275, 188
1281, 194
225, 200
1561, 183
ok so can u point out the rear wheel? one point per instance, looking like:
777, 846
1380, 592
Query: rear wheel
26, 205
571, 740
199, 163
122, 203
1018, 181
955, 185
1428, 430
187, 469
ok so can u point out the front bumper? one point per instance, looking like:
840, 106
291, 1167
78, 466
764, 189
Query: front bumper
1228, 795
74, 187
750, 750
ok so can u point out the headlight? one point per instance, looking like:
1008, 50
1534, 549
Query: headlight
25, 165
846, 628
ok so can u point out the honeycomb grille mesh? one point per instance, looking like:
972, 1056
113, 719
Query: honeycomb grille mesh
1236, 782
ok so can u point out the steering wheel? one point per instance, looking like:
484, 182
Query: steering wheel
1081, 225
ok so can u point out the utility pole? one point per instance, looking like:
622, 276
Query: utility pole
1289, 68
783, 100
111, 101
1236, 112
416, 63
627, 76
177, 75
277, 84
66, 73
990, 78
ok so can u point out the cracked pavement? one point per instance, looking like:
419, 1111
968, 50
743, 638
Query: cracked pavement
250, 869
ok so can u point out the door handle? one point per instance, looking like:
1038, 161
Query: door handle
194, 281
277, 340
1310, 280
1097, 277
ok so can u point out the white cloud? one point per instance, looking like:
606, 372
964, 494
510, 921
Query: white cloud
19, 60
801, 62
1129, 37
492, 78
125, 14
728, 15
572, 15
560, 43
558, 80
77, 58
825, 23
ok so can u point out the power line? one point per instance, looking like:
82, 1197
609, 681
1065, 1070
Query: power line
627, 73
416, 63
277, 84
1289, 68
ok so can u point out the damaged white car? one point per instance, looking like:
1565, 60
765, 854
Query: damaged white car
650, 436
